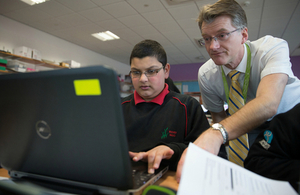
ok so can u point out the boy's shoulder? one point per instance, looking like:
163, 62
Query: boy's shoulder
127, 98
184, 98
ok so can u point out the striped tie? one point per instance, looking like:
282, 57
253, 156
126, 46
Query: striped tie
238, 148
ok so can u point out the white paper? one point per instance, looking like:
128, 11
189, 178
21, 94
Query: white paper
206, 174
4, 178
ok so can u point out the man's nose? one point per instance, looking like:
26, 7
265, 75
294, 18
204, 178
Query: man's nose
214, 43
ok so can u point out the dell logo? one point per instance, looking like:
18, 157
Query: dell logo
43, 129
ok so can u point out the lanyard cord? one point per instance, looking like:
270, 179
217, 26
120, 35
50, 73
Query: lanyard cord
246, 79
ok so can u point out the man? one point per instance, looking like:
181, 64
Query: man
159, 123
275, 153
270, 85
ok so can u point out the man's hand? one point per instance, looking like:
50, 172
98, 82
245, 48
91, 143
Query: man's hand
153, 156
180, 165
210, 140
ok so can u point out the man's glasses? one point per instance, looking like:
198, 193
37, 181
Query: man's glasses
219, 37
148, 73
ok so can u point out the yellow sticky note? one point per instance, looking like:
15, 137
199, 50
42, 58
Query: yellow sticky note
87, 87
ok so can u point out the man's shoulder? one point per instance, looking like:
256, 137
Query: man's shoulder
265, 42
209, 67
268, 38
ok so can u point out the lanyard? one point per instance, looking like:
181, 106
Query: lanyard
246, 79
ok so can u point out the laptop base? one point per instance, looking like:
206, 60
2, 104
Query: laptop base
73, 187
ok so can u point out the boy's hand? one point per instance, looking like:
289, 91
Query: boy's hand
153, 156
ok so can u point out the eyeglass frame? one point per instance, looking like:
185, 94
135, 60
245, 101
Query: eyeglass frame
202, 40
145, 72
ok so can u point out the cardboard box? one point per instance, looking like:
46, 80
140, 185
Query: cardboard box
36, 54
64, 64
73, 64
23, 51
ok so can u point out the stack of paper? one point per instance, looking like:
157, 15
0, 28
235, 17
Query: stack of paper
206, 174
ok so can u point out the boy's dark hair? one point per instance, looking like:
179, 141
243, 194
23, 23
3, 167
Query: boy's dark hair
149, 48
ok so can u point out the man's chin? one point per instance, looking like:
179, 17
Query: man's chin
219, 61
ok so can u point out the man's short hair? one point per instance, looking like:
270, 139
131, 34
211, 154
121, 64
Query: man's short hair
223, 7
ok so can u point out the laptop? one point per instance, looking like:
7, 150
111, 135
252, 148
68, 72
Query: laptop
64, 129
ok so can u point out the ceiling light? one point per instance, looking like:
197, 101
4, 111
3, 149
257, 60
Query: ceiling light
246, 3
105, 36
32, 2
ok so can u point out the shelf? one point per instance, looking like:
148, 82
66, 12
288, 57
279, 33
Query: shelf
28, 60
4, 71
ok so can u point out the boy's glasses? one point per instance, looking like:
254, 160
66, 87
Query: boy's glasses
148, 73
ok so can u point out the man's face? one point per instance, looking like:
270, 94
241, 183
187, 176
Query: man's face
149, 87
228, 52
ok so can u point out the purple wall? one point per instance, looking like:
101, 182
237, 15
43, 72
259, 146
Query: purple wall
296, 65
189, 72
185, 72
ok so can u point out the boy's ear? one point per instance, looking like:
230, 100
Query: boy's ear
167, 70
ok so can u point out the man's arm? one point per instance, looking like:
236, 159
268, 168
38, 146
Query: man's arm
253, 114
260, 109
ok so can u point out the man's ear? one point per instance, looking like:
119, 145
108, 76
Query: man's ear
167, 70
244, 35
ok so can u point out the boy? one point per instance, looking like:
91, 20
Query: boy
160, 123
275, 153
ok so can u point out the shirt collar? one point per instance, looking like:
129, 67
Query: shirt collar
158, 99
241, 67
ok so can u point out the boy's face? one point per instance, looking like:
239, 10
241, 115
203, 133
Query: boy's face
149, 87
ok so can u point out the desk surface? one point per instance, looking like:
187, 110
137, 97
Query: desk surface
167, 179
3, 173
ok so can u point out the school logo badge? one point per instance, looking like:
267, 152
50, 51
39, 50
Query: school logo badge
265, 143
268, 135
166, 133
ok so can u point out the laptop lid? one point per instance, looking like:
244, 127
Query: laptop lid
66, 124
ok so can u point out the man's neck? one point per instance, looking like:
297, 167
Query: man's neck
238, 59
